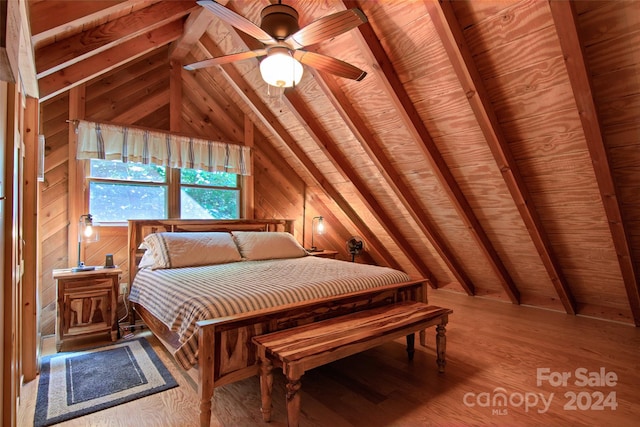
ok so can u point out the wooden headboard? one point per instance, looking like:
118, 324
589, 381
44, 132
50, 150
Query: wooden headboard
140, 228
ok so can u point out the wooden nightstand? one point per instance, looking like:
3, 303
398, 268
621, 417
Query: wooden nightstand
87, 303
324, 253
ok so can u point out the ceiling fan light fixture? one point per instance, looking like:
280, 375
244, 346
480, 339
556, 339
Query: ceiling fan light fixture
281, 69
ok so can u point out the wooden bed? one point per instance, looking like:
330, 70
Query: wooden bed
226, 353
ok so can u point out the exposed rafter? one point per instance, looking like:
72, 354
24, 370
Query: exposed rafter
49, 19
405, 194
301, 112
448, 28
564, 17
383, 69
194, 27
95, 66
78, 47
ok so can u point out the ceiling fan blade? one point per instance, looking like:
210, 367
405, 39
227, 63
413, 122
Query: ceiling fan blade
326, 28
238, 21
225, 59
329, 65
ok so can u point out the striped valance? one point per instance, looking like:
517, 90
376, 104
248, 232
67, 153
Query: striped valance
113, 142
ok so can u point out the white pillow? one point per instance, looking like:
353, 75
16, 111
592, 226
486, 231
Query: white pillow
257, 245
173, 250
147, 260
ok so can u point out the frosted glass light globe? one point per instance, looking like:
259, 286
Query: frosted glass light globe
281, 69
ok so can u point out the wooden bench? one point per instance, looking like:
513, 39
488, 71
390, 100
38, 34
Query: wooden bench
301, 348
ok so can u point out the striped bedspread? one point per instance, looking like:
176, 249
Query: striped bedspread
182, 296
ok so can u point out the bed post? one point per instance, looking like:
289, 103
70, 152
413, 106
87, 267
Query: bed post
132, 247
206, 351
288, 225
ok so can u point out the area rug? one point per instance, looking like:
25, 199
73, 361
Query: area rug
75, 384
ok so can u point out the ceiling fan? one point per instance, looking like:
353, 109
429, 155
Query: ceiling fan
283, 41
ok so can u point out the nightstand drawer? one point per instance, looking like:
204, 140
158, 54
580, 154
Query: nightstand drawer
89, 284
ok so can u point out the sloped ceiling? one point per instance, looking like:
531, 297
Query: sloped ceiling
494, 146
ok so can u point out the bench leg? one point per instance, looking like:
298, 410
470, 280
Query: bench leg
441, 345
293, 401
411, 344
266, 387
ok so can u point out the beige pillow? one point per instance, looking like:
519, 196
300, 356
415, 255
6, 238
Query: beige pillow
173, 250
257, 245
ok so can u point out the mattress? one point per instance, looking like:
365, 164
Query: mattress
180, 297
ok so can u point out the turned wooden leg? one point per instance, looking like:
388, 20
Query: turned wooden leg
266, 387
411, 344
293, 401
205, 374
441, 345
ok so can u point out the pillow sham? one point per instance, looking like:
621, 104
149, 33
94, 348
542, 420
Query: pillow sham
147, 260
258, 245
189, 249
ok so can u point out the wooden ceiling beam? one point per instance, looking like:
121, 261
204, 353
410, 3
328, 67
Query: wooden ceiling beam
564, 16
270, 121
17, 64
78, 47
298, 108
98, 65
407, 113
403, 192
450, 33
194, 27
50, 19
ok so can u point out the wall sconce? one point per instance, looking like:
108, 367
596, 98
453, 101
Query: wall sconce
87, 232
316, 227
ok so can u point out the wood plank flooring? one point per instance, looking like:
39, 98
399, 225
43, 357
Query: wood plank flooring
494, 353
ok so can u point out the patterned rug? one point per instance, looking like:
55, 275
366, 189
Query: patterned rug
75, 384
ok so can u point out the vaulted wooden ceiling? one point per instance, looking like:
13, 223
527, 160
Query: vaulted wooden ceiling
494, 146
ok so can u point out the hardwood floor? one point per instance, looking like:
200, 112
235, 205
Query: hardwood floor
497, 353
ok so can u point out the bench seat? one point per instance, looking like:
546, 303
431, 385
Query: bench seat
301, 348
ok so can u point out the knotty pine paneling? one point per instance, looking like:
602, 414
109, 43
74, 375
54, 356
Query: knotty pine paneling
146, 68
158, 119
122, 99
155, 100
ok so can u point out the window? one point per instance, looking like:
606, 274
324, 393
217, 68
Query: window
120, 191
214, 195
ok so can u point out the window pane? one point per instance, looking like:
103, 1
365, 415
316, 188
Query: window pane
118, 202
203, 203
211, 179
115, 169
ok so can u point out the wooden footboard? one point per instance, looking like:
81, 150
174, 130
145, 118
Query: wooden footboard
226, 353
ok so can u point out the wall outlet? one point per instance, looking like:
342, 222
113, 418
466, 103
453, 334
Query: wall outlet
124, 287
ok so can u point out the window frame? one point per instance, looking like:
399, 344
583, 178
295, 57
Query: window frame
173, 184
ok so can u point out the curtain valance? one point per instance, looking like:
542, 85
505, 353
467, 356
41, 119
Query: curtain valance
113, 142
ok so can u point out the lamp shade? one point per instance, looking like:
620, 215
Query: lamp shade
87, 232
281, 69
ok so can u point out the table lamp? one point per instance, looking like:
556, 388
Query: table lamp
319, 228
87, 232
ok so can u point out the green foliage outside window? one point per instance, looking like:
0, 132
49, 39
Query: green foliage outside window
120, 191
